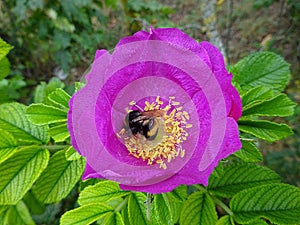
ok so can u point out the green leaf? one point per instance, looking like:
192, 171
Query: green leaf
256, 94
113, 219
19, 215
265, 130
8, 145
42, 114
35, 207
225, 220
58, 179
101, 192
249, 152
264, 69
280, 105
198, 209
13, 120
72, 154
60, 97
59, 132
162, 210
19, 172
137, 209
240, 176
176, 199
279, 203
4, 67
43, 90
4, 48
86, 214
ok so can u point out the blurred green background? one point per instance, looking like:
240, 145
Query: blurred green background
56, 41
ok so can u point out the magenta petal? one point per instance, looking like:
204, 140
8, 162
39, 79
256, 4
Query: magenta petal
164, 62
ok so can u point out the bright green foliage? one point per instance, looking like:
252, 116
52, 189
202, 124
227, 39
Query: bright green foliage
279, 203
12, 119
102, 192
4, 67
225, 220
72, 154
19, 172
34, 205
249, 152
4, 48
43, 90
59, 132
42, 114
58, 179
280, 105
257, 94
265, 130
198, 209
8, 145
114, 219
137, 209
162, 210
18, 215
86, 214
60, 98
264, 69
237, 177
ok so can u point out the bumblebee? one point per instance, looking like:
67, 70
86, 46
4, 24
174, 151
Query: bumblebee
145, 123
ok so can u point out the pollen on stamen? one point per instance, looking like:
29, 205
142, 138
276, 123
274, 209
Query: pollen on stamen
171, 133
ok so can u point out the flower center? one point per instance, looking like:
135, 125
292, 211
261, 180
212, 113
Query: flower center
155, 133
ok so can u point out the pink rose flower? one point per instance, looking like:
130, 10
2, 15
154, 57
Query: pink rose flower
158, 112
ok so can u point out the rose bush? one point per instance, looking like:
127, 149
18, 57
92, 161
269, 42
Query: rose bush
163, 71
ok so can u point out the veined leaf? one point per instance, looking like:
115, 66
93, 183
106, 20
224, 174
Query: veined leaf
13, 120
199, 208
101, 192
265, 130
19, 172
279, 203
35, 207
18, 215
280, 105
8, 145
240, 176
43, 90
113, 219
137, 209
58, 179
225, 220
59, 133
256, 94
85, 214
264, 69
72, 154
162, 210
60, 98
249, 152
44, 114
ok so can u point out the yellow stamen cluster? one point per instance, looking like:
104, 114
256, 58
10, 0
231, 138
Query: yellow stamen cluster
171, 133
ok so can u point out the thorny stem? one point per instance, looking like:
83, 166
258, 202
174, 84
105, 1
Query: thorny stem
121, 205
148, 206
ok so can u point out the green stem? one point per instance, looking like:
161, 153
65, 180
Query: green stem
55, 147
121, 205
222, 205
